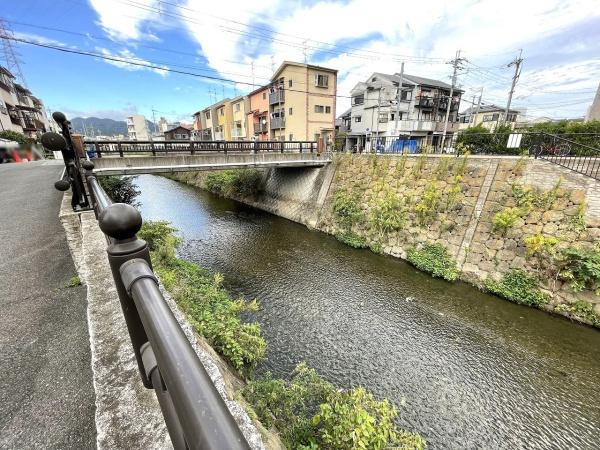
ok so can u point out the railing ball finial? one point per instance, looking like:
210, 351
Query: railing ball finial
62, 185
87, 165
53, 141
59, 117
120, 221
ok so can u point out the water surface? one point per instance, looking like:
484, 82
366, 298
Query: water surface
467, 370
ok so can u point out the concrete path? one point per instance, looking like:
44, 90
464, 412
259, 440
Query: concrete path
46, 393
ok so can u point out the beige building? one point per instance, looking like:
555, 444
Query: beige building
302, 103
238, 119
137, 129
490, 116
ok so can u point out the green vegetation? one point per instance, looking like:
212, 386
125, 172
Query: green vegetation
74, 281
310, 413
540, 245
584, 133
16, 136
528, 198
443, 168
479, 139
351, 239
434, 259
505, 219
577, 222
581, 310
519, 287
242, 183
427, 207
347, 209
208, 307
387, 214
581, 268
453, 193
120, 189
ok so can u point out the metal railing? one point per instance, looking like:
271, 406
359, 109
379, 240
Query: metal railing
195, 414
580, 158
98, 149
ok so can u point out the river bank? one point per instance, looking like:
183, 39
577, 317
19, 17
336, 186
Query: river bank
466, 369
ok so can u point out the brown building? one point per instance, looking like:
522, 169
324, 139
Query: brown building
178, 134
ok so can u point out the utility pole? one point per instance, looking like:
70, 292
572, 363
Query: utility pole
378, 108
517, 63
399, 97
305, 51
154, 121
252, 67
455, 62
478, 106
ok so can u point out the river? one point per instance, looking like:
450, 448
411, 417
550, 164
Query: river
466, 370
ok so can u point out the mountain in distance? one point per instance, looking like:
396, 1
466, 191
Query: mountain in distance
96, 126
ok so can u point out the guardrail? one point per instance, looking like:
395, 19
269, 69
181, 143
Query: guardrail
580, 158
196, 415
96, 149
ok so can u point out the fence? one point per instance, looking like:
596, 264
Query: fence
196, 415
154, 148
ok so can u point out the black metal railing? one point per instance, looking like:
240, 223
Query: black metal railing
98, 149
196, 415
580, 158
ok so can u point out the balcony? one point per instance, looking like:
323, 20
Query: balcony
277, 123
424, 102
237, 133
277, 97
260, 128
452, 126
414, 125
29, 125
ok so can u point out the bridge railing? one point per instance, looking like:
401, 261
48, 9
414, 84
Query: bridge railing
97, 148
195, 414
566, 152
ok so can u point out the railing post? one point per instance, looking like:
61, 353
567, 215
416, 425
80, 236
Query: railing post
300, 147
97, 149
192, 145
153, 149
120, 149
121, 222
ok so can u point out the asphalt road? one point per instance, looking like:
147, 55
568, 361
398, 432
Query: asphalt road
46, 393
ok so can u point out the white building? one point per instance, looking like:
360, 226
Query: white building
137, 128
20, 111
419, 116
594, 110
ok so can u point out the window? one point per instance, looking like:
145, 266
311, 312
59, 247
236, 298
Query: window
3, 109
289, 83
222, 111
406, 95
511, 118
264, 95
495, 117
487, 118
207, 114
357, 119
358, 100
319, 108
321, 80
237, 107
291, 137
383, 117
328, 109
290, 112
392, 115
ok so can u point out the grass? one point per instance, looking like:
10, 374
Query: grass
74, 281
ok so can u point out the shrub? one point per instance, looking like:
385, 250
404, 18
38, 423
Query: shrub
244, 183
582, 310
120, 189
427, 207
434, 259
540, 245
351, 239
454, 192
346, 208
519, 287
581, 267
310, 413
388, 214
505, 219
16, 136
209, 308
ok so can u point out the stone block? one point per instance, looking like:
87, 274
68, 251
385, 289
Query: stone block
553, 216
550, 228
505, 255
578, 196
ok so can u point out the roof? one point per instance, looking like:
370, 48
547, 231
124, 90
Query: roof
6, 72
176, 128
348, 112
218, 104
297, 64
257, 90
488, 108
409, 79
18, 87
237, 99
422, 81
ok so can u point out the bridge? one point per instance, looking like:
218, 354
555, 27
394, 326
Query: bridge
143, 157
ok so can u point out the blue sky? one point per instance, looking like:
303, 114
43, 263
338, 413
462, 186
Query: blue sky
244, 41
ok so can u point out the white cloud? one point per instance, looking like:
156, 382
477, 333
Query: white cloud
123, 58
488, 33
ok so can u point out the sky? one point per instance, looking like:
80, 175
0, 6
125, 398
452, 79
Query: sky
228, 46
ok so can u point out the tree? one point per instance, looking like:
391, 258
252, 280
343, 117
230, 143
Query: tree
120, 189
16, 136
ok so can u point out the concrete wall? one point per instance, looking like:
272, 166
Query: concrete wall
465, 228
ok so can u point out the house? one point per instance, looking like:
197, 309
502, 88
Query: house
238, 118
302, 100
418, 115
137, 128
20, 110
257, 113
489, 116
179, 133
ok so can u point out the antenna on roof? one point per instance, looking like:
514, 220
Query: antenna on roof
9, 55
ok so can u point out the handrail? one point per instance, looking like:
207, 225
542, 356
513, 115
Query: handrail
560, 138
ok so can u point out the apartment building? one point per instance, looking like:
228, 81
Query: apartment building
302, 103
489, 116
20, 110
137, 128
257, 113
380, 107
238, 119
